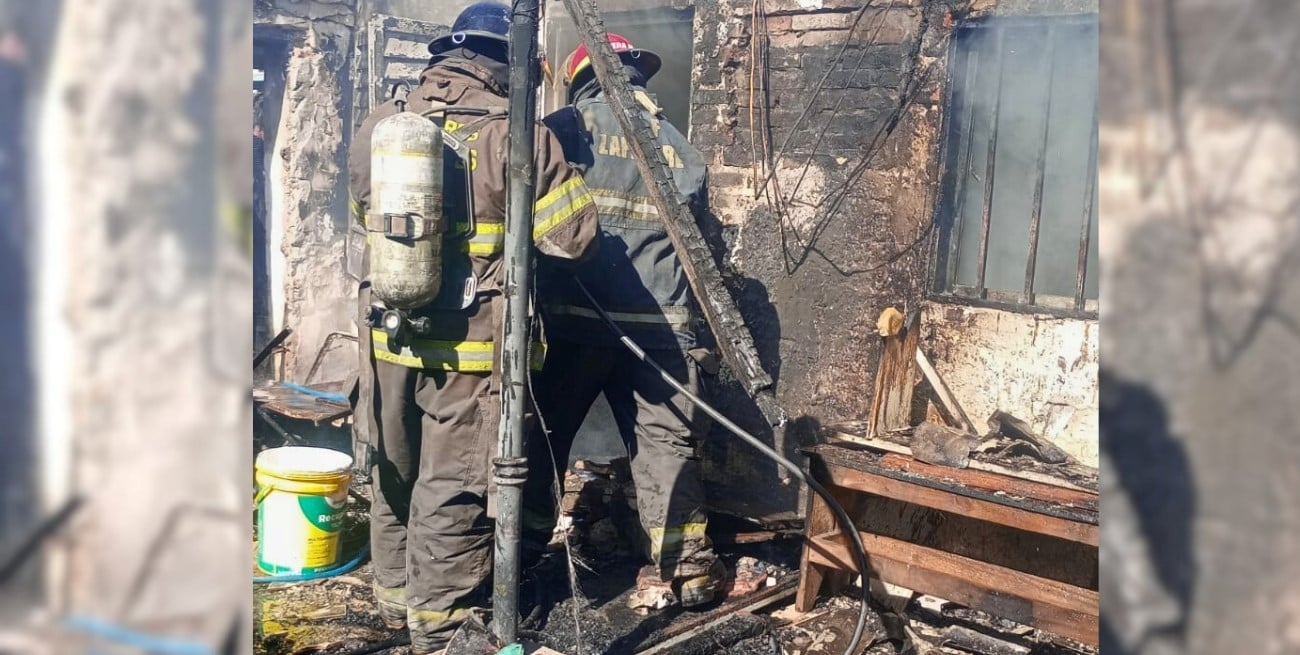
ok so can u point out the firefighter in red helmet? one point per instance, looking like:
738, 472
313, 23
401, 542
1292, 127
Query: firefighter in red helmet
637, 276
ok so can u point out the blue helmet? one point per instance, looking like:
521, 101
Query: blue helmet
481, 20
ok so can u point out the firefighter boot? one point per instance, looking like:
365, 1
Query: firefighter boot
392, 606
702, 589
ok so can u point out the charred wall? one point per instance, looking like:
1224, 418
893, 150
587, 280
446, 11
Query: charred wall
848, 118
843, 230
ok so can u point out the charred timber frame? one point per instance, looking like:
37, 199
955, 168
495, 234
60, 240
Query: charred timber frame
856, 475
715, 300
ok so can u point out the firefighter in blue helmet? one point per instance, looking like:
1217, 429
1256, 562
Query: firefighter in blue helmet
429, 403
637, 276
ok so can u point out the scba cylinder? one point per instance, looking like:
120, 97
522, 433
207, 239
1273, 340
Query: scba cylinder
405, 220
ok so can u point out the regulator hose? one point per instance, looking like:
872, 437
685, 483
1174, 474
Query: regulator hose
841, 516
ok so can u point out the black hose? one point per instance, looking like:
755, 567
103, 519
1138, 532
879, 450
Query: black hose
846, 523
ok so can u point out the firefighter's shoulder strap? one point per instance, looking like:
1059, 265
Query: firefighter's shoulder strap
485, 116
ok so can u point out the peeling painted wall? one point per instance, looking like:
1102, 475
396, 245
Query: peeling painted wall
1041, 369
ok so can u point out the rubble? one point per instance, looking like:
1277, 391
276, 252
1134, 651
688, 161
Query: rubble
337, 615
941, 445
749, 575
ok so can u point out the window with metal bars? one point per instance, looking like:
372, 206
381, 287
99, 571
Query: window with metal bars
1018, 205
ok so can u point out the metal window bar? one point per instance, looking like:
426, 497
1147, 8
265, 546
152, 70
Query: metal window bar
1085, 232
964, 170
990, 166
1040, 170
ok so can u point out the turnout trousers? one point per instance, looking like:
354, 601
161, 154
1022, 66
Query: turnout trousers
430, 530
659, 427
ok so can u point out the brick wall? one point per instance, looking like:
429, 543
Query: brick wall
813, 271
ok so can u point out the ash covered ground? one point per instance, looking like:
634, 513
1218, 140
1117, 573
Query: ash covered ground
337, 616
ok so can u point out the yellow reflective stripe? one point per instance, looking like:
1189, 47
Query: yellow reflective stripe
559, 205
483, 249
462, 356
541, 229
358, 209
484, 228
625, 205
557, 193
661, 538
489, 238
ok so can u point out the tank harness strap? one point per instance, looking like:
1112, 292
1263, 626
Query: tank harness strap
485, 116
405, 226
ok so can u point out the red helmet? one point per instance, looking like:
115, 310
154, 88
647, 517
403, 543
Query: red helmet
644, 60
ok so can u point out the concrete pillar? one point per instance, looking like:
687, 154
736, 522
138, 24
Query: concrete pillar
310, 207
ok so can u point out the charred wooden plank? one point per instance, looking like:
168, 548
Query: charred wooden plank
850, 433
896, 378
751, 603
1067, 504
978, 642
712, 637
992, 509
1053, 606
945, 394
993, 482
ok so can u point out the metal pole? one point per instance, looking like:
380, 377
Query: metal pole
1040, 172
964, 171
510, 467
1085, 232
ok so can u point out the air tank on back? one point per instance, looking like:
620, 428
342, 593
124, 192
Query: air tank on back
405, 221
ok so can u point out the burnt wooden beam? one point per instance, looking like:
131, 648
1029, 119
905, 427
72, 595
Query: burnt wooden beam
945, 395
1056, 607
891, 406
1006, 512
734, 339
